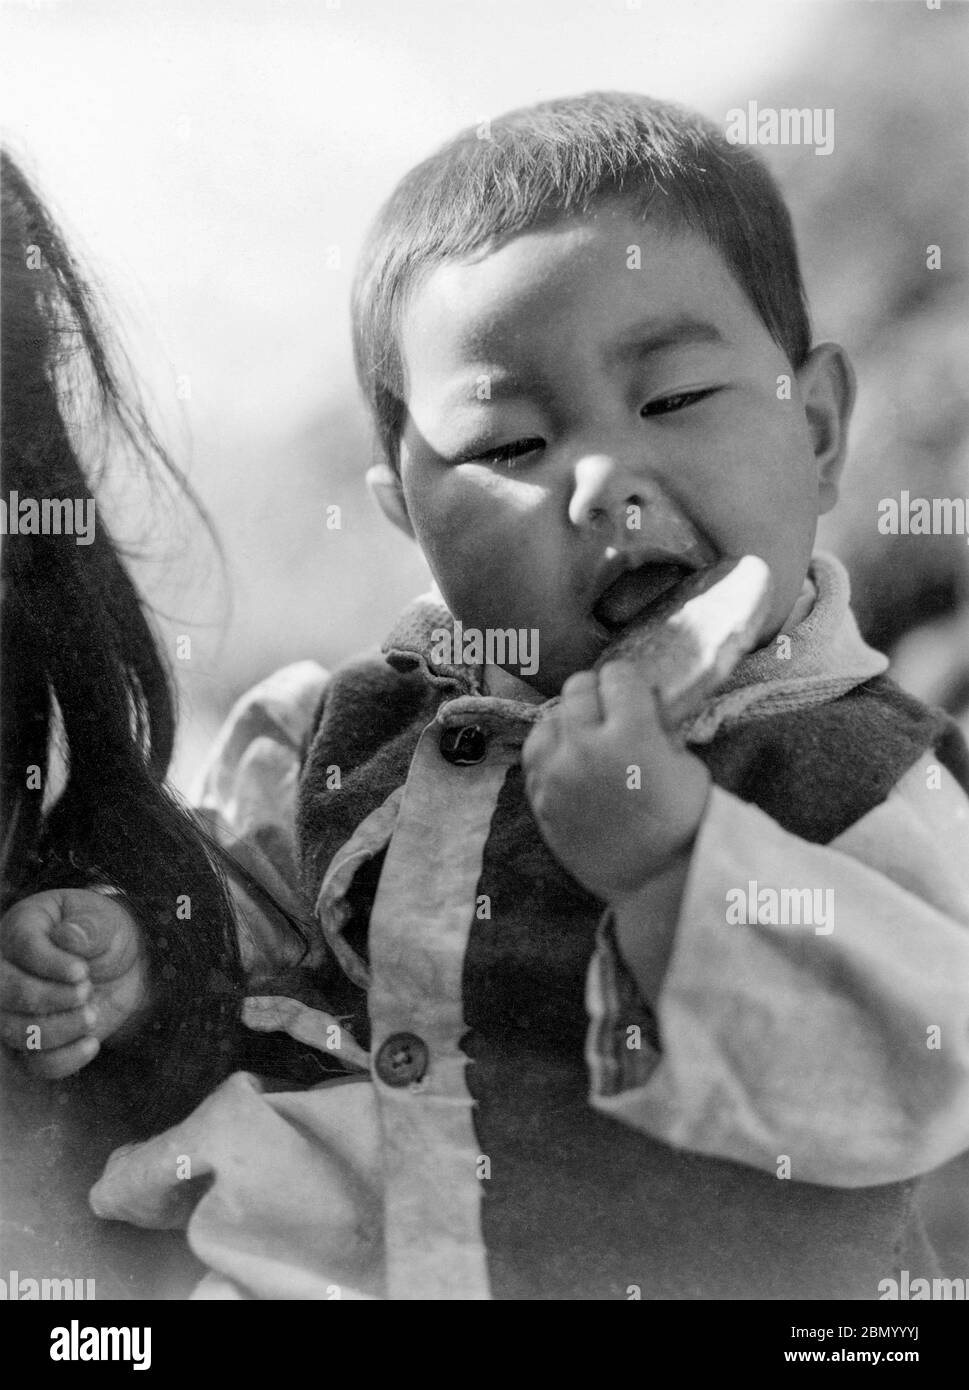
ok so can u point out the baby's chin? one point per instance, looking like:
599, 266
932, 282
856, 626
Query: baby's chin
549, 682
798, 611
555, 669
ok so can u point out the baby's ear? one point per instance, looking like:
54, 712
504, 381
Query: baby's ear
827, 386
384, 485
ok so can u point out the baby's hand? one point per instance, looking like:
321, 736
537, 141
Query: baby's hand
614, 796
73, 972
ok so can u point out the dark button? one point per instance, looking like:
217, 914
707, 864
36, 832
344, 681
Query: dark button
402, 1059
463, 745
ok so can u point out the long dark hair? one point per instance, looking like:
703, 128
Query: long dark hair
82, 678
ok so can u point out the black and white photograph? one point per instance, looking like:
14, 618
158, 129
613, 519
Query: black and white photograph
484, 663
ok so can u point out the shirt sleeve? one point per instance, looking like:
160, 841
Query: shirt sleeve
813, 1020
246, 795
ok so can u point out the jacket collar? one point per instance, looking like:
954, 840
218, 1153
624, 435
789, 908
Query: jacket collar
822, 657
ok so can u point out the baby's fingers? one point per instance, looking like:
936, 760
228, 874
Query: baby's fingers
23, 993
97, 928
28, 1033
580, 702
63, 1061
25, 934
627, 698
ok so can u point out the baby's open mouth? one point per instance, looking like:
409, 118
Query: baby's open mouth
635, 591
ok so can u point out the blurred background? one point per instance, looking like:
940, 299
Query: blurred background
216, 165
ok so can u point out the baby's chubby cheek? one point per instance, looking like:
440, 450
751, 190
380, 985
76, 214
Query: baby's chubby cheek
770, 510
485, 545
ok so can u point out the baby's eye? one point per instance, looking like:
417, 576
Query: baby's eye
509, 454
667, 404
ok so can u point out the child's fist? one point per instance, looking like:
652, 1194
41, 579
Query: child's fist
614, 796
72, 973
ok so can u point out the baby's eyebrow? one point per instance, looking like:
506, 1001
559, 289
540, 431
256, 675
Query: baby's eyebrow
660, 335
640, 340
501, 386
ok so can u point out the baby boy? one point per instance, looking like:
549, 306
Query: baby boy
617, 1047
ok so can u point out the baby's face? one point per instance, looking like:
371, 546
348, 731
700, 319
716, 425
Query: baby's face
579, 433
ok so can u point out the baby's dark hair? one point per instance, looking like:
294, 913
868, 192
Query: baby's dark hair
560, 159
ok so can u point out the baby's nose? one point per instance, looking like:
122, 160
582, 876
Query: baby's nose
638, 512
599, 483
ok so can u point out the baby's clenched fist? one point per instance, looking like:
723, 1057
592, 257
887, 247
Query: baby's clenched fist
615, 797
73, 973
